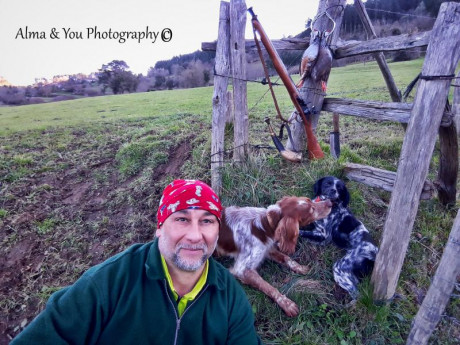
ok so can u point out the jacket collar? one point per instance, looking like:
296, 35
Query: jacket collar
154, 270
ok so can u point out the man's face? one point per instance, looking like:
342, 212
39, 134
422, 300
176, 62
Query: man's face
187, 238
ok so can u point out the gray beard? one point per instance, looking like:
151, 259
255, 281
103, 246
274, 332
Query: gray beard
188, 266
191, 266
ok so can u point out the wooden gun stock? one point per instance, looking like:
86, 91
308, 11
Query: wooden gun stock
314, 150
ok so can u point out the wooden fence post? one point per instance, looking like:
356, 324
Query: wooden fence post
441, 59
440, 290
379, 57
238, 61
311, 92
456, 104
220, 98
448, 164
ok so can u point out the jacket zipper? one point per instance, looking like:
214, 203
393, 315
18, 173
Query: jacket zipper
178, 319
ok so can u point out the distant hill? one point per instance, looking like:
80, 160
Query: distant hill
183, 60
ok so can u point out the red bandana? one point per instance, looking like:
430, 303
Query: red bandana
188, 194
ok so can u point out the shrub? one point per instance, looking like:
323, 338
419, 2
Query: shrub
35, 100
63, 98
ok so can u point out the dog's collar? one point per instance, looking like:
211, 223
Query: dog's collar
320, 198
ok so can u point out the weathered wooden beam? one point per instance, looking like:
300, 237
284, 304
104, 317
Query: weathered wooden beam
347, 48
382, 179
385, 44
238, 61
220, 100
393, 111
440, 290
441, 59
290, 43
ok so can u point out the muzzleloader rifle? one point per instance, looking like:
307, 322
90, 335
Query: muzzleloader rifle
314, 150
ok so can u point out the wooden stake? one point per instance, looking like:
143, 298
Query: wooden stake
238, 60
441, 59
379, 57
456, 103
440, 290
448, 164
220, 98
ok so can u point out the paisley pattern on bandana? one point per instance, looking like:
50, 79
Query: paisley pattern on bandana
187, 194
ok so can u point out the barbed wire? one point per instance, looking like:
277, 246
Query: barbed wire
263, 81
400, 13
254, 146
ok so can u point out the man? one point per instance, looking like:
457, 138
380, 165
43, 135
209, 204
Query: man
168, 291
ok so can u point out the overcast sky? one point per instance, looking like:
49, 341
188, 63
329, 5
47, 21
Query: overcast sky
190, 21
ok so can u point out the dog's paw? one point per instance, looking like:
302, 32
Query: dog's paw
301, 269
298, 268
290, 308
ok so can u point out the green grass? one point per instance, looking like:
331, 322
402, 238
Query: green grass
80, 181
82, 112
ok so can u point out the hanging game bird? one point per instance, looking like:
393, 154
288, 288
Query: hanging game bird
316, 61
323, 65
308, 59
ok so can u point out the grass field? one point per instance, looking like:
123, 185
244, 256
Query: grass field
80, 181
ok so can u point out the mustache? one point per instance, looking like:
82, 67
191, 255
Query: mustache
201, 246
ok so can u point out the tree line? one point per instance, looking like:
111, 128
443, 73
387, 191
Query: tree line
389, 17
418, 13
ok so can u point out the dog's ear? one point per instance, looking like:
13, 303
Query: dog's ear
344, 195
286, 234
317, 186
273, 217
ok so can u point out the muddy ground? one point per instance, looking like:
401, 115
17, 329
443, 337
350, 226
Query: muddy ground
56, 224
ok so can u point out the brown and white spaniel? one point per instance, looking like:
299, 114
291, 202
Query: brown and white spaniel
250, 234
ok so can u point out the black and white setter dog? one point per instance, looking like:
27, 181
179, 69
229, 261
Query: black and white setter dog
344, 230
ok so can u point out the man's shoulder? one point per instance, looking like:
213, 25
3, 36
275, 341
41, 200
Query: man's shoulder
133, 256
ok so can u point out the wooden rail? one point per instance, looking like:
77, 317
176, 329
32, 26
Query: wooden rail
385, 44
382, 179
394, 111
345, 48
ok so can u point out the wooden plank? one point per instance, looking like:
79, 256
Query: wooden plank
375, 110
383, 179
441, 59
440, 290
346, 48
238, 61
220, 101
290, 43
385, 44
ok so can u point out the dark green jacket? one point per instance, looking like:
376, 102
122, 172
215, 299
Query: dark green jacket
126, 300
